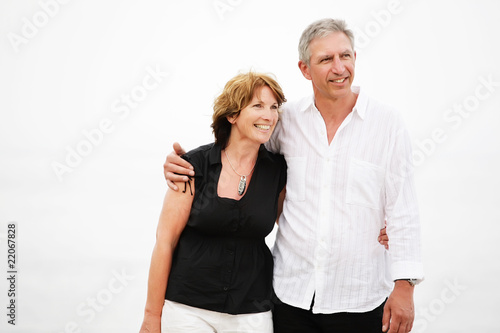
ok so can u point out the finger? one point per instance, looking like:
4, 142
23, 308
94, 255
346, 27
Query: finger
177, 164
410, 325
395, 327
178, 149
397, 324
404, 328
385, 318
385, 244
177, 173
172, 185
176, 159
176, 178
383, 238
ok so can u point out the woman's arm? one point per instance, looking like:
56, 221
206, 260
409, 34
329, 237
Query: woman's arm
173, 219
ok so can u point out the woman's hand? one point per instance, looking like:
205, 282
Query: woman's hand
383, 239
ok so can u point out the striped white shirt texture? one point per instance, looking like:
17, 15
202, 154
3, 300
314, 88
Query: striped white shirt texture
338, 196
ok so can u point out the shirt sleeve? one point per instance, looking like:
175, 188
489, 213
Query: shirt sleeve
283, 167
198, 159
193, 159
273, 145
403, 223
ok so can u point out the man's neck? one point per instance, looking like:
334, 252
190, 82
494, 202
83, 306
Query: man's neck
334, 111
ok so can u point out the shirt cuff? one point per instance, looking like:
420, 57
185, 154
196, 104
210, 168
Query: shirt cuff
407, 270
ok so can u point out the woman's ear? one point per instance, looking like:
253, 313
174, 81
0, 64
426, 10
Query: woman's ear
231, 118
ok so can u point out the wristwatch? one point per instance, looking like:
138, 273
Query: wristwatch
412, 282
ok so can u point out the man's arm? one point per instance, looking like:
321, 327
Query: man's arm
176, 169
403, 229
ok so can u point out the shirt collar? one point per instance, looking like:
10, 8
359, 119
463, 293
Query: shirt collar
361, 102
215, 152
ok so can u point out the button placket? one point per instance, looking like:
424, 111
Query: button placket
228, 269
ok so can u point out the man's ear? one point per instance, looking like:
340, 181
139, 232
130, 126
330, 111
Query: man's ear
304, 69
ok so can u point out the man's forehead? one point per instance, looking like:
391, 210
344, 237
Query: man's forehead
336, 42
330, 51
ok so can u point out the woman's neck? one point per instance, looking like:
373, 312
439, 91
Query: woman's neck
242, 155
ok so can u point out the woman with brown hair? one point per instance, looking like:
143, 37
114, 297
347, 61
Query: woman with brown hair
211, 270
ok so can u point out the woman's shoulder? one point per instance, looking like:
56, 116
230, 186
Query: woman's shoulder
201, 151
202, 157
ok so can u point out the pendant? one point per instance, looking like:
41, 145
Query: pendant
242, 185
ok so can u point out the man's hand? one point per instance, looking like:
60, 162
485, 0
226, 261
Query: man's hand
399, 311
151, 324
383, 239
177, 169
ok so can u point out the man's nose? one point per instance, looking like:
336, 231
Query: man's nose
337, 66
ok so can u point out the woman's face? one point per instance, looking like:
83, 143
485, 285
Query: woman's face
256, 122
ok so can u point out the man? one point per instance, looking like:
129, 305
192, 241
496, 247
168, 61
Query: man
349, 170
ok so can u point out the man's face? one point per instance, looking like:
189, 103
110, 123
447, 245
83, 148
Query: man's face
331, 67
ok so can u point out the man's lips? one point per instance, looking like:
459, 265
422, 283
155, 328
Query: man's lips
340, 80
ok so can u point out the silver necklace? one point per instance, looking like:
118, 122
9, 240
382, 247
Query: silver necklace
243, 178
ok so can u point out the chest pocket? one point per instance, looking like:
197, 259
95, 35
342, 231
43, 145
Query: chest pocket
365, 184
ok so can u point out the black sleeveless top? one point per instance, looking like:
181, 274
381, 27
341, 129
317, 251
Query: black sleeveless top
221, 262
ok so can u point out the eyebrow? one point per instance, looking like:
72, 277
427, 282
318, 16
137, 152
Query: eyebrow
326, 55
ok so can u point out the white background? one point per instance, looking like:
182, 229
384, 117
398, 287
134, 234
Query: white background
64, 69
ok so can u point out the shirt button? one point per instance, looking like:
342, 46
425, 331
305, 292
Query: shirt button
226, 288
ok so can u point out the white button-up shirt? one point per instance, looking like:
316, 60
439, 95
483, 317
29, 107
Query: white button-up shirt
338, 196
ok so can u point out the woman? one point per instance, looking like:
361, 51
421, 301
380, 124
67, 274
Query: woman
211, 270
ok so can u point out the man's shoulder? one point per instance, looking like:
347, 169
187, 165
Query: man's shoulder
378, 108
298, 105
274, 158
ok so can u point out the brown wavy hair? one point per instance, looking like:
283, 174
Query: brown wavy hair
237, 94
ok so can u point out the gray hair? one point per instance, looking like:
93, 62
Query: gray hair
320, 29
